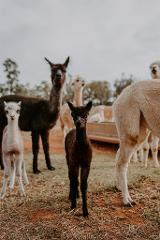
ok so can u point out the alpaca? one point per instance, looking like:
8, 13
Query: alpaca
39, 115
151, 141
65, 116
97, 115
141, 102
78, 154
12, 149
155, 70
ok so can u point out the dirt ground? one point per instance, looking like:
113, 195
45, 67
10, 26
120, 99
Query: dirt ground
45, 212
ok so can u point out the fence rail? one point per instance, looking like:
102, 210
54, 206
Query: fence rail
103, 132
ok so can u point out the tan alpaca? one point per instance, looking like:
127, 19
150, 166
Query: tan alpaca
65, 115
151, 141
135, 111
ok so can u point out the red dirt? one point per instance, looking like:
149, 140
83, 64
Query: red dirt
42, 215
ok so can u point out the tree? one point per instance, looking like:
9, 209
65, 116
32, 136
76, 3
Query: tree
98, 91
42, 90
122, 83
12, 72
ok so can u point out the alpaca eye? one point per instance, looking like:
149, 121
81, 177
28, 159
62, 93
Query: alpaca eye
77, 80
6, 111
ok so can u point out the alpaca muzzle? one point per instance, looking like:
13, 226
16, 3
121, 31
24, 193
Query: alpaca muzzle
12, 117
154, 71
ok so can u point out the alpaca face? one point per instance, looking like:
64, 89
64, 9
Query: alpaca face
12, 110
78, 84
80, 114
58, 73
155, 70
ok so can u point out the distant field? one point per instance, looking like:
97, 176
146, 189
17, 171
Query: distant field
45, 213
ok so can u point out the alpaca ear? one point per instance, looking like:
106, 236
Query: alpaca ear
70, 106
5, 104
66, 62
50, 63
89, 106
19, 103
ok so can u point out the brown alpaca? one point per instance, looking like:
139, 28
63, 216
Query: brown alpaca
78, 155
38, 115
65, 116
135, 111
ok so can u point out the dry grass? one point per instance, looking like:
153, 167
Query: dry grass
45, 213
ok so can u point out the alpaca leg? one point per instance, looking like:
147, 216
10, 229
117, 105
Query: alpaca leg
73, 176
141, 157
145, 153
77, 190
18, 163
1, 160
45, 142
154, 150
35, 150
24, 173
117, 175
125, 152
135, 157
12, 178
7, 172
84, 177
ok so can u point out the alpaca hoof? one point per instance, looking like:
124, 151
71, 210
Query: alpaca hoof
51, 168
117, 189
26, 182
23, 195
73, 206
85, 214
129, 204
36, 171
133, 203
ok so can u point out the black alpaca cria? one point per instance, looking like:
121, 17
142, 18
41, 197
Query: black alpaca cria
78, 155
38, 115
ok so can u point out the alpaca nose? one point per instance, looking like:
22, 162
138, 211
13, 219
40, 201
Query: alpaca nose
12, 117
154, 70
78, 121
58, 74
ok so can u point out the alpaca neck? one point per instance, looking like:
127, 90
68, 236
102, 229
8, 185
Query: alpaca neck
81, 136
54, 102
77, 99
13, 129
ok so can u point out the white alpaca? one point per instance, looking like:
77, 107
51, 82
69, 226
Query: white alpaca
155, 70
141, 102
65, 116
151, 141
97, 114
12, 149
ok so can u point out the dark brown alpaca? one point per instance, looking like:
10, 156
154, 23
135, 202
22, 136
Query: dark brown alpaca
38, 115
78, 155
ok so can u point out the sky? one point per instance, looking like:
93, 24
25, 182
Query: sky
103, 38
